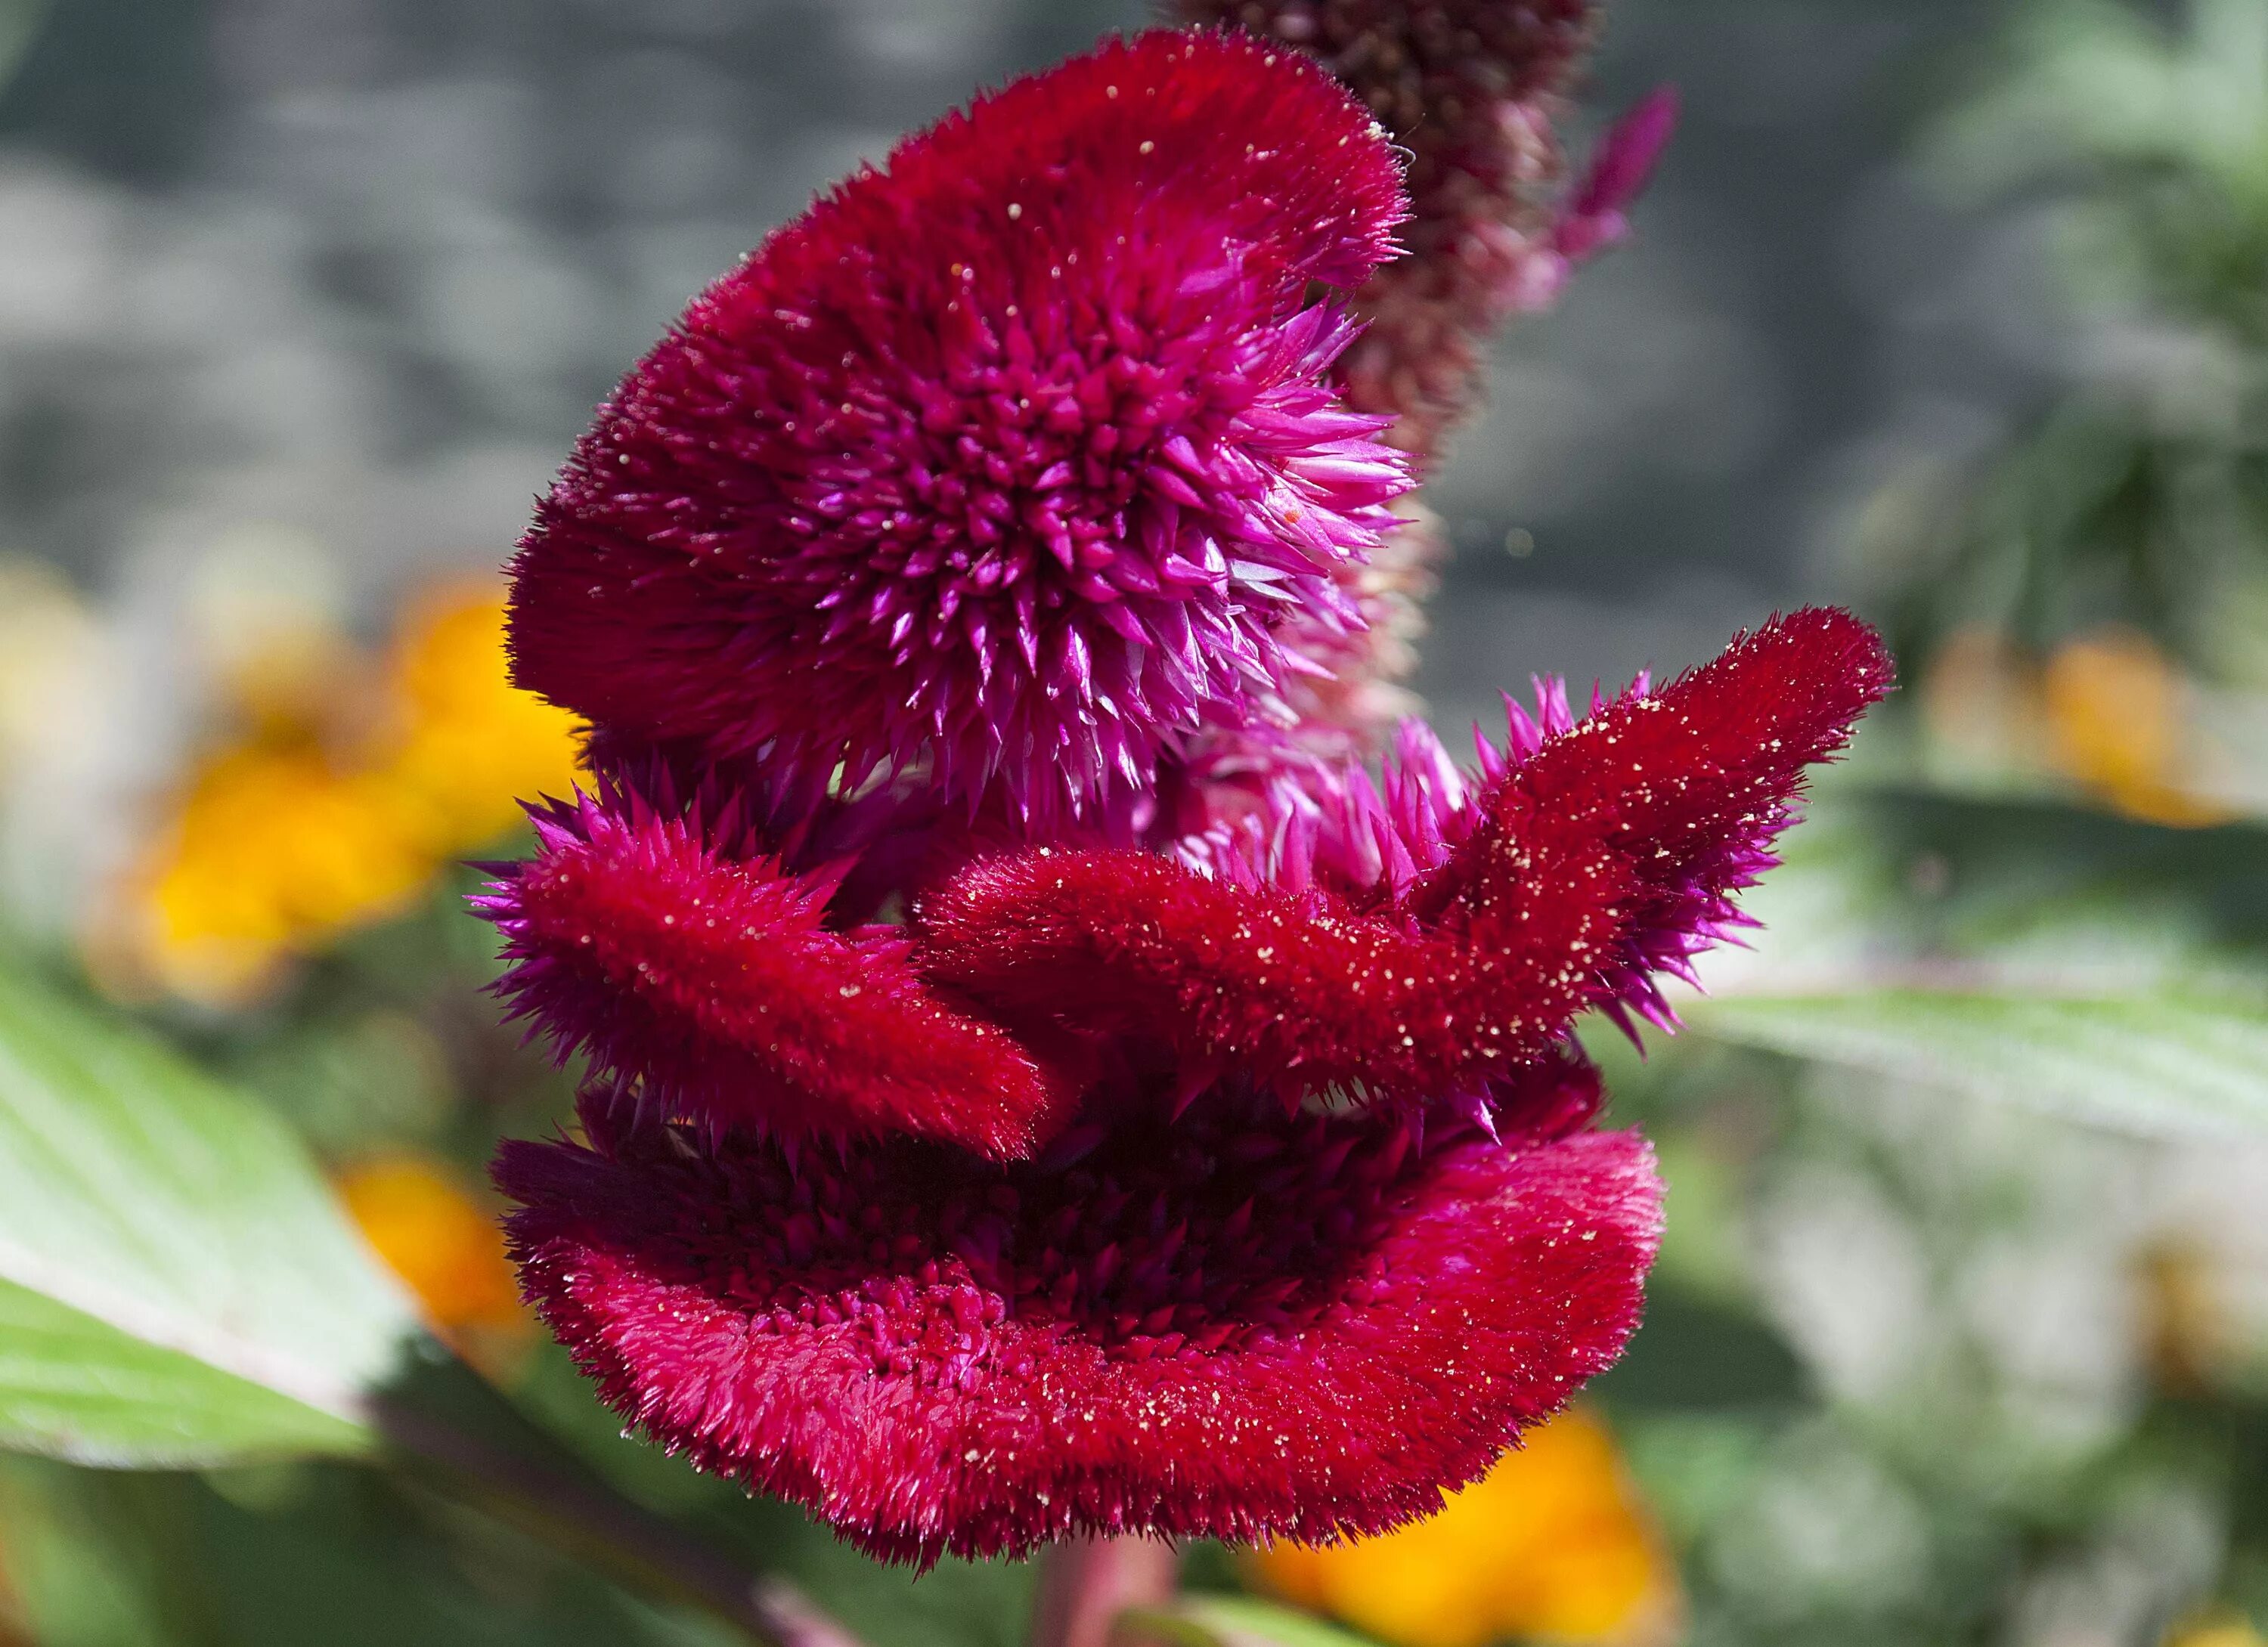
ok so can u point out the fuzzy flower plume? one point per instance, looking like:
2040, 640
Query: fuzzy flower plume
1604, 853
1043, 1125
1004, 462
1244, 1325
700, 977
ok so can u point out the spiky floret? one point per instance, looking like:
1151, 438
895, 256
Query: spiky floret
1245, 1325
702, 982
1602, 852
1691, 785
1004, 462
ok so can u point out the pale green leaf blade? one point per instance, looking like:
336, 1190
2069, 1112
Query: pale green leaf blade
2151, 1062
75, 1389
139, 1194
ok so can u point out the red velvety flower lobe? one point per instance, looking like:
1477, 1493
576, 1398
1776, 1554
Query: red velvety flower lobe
1605, 855
1246, 1325
704, 985
1689, 786
1300, 990
1006, 462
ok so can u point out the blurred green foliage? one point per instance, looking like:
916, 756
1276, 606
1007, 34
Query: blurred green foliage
2139, 493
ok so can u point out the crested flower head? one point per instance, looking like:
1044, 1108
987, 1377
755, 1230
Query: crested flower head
1004, 462
1131, 1114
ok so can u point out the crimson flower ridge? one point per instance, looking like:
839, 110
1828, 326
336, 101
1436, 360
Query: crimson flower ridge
1006, 1117
1006, 461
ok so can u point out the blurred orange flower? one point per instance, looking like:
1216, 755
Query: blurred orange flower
1552, 1545
2108, 711
2118, 723
328, 813
447, 1249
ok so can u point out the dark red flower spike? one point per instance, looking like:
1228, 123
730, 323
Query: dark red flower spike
1247, 1326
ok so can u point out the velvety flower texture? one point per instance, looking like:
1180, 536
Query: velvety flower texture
1006, 462
973, 1167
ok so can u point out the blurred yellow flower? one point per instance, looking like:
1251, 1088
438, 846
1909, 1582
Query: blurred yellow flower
469, 743
2118, 723
447, 1249
2186, 1325
269, 850
1552, 1545
328, 812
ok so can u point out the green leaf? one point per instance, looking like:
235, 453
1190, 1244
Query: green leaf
178, 1285
74, 1387
2150, 1062
1226, 1621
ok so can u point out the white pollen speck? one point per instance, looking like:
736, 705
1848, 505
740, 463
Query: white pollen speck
1015, 209
1148, 147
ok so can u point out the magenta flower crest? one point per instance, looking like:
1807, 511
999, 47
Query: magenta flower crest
1008, 460
1035, 1082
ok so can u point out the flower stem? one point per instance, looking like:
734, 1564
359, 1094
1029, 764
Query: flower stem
1088, 1583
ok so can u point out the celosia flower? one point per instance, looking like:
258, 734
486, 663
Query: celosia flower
1162, 1167
1004, 462
1553, 1545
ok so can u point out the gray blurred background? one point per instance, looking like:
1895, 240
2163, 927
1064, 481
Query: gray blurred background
352, 273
